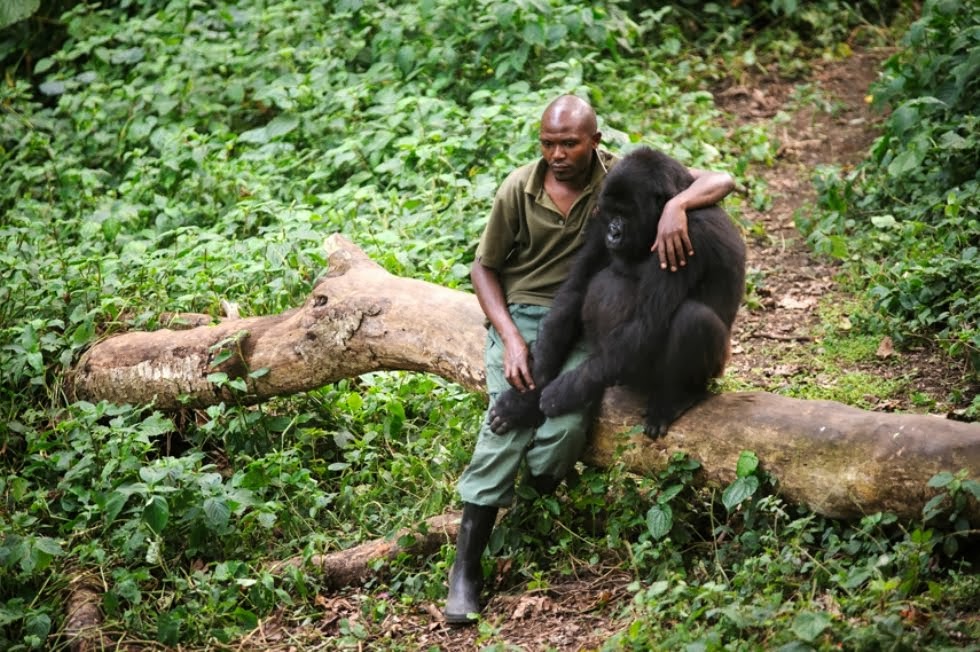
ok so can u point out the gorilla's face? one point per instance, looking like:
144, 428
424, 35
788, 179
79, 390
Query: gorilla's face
626, 236
616, 233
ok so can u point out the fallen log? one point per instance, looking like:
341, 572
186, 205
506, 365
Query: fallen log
355, 565
83, 620
840, 461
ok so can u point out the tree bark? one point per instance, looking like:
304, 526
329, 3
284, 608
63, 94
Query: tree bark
83, 621
352, 567
840, 461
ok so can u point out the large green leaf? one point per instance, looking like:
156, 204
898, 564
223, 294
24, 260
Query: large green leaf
156, 514
12, 11
660, 519
739, 491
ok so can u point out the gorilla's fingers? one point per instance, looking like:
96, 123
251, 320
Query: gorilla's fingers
514, 409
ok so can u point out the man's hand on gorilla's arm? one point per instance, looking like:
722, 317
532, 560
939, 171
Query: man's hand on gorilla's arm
673, 245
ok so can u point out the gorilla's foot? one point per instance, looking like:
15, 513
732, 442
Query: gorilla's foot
661, 415
567, 393
514, 409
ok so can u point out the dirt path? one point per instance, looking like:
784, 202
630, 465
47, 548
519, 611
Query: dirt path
830, 123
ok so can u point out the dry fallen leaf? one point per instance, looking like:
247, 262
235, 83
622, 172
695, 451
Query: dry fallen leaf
532, 605
792, 303
886, 349
784, 370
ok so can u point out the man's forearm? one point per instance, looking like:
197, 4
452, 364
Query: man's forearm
707, 189
490, 293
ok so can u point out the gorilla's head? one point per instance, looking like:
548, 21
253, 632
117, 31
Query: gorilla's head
633, 197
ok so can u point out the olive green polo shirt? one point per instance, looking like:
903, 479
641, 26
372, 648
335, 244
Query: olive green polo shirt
527, 240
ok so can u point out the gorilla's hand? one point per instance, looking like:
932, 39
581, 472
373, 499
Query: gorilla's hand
514, 409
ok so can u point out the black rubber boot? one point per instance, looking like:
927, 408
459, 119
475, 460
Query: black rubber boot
466, 576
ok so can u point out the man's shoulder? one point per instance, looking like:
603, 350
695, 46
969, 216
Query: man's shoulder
519, 177
608, 158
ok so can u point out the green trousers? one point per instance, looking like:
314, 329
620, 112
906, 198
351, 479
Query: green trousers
550, 449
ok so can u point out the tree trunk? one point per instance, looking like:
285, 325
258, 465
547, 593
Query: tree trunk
840, 461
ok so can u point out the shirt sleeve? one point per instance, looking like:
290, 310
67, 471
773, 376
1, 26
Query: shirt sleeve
502, 228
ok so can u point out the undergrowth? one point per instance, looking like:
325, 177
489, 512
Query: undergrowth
905, 221
166, 156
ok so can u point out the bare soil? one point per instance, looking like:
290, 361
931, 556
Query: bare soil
831, 124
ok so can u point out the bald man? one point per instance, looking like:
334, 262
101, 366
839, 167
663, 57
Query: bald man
535, 227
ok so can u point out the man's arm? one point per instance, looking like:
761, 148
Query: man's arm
673, 244
490, 293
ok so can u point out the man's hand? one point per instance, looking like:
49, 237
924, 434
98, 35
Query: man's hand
673, 245
517, 365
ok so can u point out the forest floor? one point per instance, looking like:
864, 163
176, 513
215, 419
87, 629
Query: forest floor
827, 121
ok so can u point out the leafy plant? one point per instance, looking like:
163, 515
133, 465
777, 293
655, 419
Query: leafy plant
167, 156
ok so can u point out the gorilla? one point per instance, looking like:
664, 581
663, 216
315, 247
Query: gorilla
665, 334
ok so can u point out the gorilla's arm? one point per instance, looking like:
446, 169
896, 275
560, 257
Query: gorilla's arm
562, 326
558, 332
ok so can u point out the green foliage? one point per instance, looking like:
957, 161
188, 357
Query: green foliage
165, 156
13, 11
757, 34
907, 219
759, 574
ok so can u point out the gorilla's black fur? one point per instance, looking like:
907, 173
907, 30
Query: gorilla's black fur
661, 332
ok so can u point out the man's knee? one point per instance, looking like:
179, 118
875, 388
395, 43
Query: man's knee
558, 445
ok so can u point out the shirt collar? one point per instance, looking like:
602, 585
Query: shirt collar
535, 182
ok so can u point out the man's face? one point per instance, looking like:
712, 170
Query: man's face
568, 150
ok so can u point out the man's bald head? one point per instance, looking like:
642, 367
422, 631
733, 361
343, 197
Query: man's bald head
569, 138
569, 112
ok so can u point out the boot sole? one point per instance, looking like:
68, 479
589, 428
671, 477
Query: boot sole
459, 620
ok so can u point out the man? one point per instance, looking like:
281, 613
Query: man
535, 227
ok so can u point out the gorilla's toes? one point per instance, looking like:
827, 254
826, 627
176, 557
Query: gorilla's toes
656, 428
498, 425
514, 410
